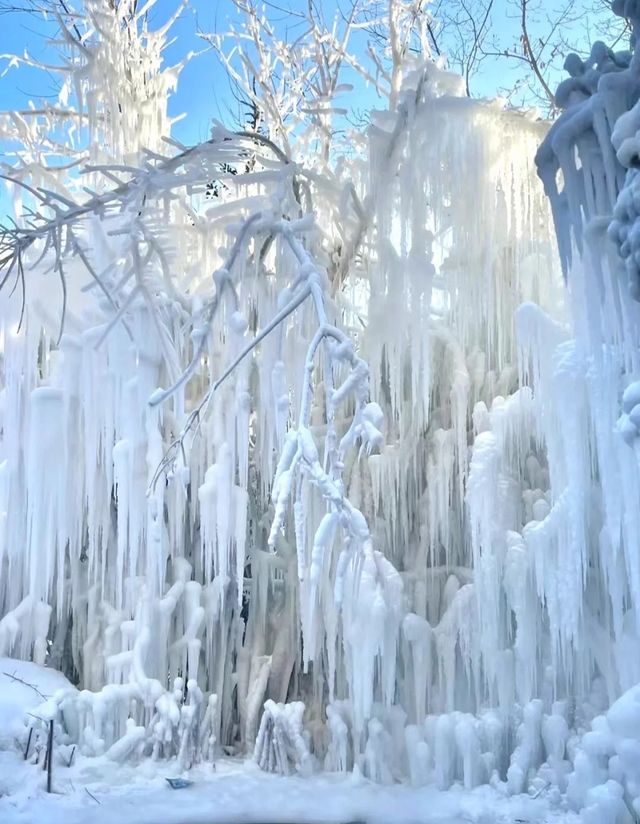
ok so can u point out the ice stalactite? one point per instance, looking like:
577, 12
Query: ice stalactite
445, 510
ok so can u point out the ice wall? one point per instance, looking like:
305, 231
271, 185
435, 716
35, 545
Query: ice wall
385, 498
194, 577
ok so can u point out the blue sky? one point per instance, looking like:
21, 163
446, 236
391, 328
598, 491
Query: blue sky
203, 92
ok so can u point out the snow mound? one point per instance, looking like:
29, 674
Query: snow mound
23, 688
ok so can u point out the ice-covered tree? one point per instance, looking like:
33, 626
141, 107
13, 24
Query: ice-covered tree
158, 491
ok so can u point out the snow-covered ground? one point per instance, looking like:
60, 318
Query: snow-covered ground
100, 791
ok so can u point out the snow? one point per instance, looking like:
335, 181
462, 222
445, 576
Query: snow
18, 698
108, 788
242, 793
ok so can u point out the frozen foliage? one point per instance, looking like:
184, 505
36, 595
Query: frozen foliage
360, 498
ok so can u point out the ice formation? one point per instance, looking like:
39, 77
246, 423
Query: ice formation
361, 498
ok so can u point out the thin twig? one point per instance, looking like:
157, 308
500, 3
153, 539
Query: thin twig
14, 677
91, 795
526, 43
